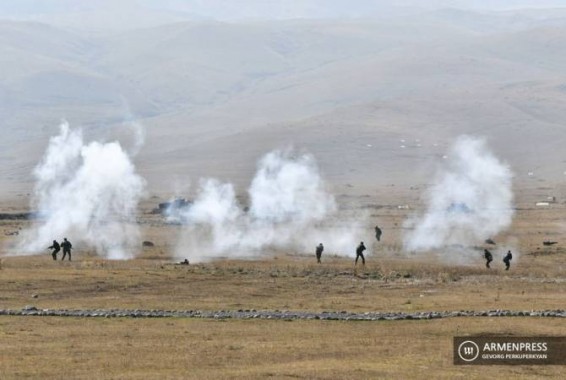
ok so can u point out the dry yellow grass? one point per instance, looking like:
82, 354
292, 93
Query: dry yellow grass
50, 347
254, 349
293, 283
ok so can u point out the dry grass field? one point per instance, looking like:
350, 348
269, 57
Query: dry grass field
209, 349
50, 347
284, 283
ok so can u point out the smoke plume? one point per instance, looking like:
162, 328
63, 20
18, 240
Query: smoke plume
134, 129
88, 193
470, 201
289, 208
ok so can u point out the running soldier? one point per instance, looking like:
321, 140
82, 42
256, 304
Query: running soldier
507, 260
56, 248
488, 257
67, 246
360, 253
378, 233
319, 249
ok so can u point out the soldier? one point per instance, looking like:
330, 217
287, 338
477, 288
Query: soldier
507, 260
56, 248
488, 257
319, 249
66, 248
377, 233
360, 253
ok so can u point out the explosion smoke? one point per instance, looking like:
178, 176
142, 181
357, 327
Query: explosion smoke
88, 193
135, 129
470, 201
289, 208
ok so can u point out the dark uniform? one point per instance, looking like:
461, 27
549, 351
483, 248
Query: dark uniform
360, 253
488, 257
66, 248
377, 233
56, 248
319, 249
507, 260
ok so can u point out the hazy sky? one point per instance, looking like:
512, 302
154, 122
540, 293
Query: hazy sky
254, 9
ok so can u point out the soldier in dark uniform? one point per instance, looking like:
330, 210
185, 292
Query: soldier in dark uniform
56, 248
507, 260
377, 233
488, 257
66, 248
360, 253
319, 249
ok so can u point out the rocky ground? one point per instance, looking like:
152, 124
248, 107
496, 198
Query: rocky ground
278, 314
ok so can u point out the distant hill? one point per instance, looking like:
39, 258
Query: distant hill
376, 101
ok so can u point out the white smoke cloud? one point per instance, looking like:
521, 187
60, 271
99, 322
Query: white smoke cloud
134, 128
138, 133
289, 208
470, 201
88, 193
289, 189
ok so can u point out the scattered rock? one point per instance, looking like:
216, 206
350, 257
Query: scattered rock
279, 315
148, 244
34, 296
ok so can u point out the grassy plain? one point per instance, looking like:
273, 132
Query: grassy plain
254, 349
50, 347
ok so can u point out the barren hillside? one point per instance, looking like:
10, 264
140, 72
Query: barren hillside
376, 100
